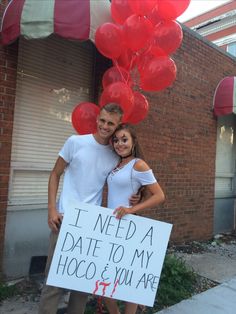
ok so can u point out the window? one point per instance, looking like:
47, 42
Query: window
231, 48
53, 76
225, 156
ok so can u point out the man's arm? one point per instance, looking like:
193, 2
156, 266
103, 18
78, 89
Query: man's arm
54, 218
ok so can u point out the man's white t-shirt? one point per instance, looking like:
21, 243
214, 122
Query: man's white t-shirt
89, 164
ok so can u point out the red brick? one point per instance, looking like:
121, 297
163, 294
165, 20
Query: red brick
8, 68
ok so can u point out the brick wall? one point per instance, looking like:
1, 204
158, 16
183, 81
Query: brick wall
8, 62
179, 138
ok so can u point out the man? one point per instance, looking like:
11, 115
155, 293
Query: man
86, 160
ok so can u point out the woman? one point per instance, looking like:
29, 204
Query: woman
126, 179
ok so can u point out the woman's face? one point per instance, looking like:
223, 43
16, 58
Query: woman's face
123, 143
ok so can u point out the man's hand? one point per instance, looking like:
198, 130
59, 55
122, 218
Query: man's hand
134, 199
54, 221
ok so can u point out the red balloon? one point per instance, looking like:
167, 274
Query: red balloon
120, 10
143, 59
119, 93
157, 74
167, 38
141, 7
116, 74
171, 9
126, 60
84, 117
140, 109
108, 40
154, 17
137, 30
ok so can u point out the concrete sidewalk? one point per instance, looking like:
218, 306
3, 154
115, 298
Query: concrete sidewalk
218, 300
217, 263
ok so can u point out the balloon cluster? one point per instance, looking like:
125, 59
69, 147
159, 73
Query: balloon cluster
139, 43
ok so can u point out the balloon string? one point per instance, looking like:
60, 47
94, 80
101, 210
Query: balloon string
131, 62
118, 68
130, 67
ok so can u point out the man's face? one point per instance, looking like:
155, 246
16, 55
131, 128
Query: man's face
107, 123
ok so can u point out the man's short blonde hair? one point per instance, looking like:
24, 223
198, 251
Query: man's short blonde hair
113, 108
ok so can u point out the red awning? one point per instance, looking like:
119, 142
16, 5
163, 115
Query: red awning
71, 19
225, 97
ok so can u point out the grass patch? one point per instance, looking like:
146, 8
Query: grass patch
7, 291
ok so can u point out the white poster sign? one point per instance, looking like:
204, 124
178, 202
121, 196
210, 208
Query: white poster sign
102, 255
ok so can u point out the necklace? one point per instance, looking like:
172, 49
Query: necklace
121, 164
124, 157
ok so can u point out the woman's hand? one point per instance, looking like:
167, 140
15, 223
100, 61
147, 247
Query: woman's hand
122, 211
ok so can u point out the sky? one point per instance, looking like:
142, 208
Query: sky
197, 7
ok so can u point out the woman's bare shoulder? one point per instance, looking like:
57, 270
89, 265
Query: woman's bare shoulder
141, 165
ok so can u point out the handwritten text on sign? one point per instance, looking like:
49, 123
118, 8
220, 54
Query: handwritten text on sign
117, 258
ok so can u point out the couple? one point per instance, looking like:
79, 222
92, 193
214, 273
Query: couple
88, 161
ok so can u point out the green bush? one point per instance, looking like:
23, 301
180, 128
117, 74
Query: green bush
177, 283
